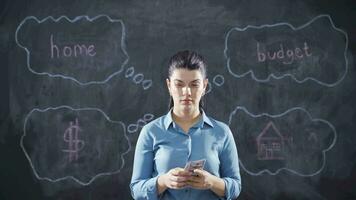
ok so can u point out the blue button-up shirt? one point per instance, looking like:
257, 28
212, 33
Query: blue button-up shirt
163, 145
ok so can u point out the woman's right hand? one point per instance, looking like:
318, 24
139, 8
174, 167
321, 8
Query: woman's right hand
174, 179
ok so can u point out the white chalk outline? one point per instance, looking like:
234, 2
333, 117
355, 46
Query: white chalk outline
130, 74
133, 128
281, 115
285, 75
216, 82
123, 45
72, 177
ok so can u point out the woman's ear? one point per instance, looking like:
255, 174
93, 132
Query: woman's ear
206, 81
168, 82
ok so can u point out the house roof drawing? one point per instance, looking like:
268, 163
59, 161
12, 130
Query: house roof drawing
274, 134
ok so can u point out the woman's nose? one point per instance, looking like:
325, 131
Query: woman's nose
187, 91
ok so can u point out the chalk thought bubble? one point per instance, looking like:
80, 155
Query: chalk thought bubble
293, 141
315, 51
83, 49
78, 144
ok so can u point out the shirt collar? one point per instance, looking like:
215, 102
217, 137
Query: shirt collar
204, 119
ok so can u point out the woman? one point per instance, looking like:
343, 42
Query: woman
185, 134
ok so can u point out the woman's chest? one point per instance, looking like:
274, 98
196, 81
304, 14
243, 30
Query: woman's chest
177, 150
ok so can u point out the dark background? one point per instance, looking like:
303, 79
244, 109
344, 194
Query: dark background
154, 31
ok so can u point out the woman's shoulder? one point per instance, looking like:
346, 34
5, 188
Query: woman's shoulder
154, 124
217, 124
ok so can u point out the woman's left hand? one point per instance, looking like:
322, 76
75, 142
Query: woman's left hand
201, 180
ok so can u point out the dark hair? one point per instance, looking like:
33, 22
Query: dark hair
187, 60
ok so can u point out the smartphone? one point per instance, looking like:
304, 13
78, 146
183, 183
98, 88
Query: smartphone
196, 164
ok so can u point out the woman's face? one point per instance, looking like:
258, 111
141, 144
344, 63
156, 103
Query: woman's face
186, 87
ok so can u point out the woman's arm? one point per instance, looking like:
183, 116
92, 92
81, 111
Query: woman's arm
142, 184
218, 186
229, 169
161, 186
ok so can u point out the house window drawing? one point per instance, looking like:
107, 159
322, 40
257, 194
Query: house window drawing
271, 144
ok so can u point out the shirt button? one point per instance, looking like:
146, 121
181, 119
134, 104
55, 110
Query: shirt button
186, 190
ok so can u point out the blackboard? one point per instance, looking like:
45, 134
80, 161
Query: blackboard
81, 78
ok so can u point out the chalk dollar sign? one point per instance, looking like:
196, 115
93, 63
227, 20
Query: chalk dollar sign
70, 136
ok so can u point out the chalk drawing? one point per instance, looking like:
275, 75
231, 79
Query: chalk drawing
74, 149
287, 140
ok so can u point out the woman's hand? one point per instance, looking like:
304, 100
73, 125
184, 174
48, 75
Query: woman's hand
174, 179
204, 180
201, 180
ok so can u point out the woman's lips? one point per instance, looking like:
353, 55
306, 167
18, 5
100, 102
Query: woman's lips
187, 100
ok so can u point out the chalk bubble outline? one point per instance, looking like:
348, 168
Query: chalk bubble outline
281, 115
90, 20
222, 79
72, 177
210, 85
130, 74
287, 74
146, 118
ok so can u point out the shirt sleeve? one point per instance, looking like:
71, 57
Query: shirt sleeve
230, 170
143, 185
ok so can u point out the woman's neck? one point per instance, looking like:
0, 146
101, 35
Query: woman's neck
185, 117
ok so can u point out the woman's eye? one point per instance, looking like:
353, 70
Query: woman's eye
195, 85
179, 85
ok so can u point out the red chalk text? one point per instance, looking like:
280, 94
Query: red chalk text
286, 56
